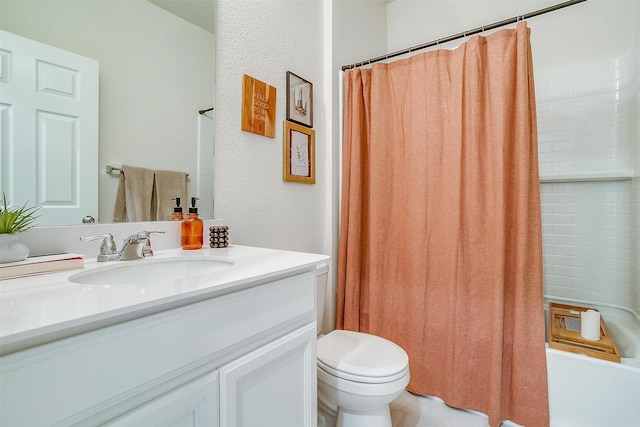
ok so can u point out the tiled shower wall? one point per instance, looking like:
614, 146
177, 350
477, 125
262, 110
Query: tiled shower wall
588, 150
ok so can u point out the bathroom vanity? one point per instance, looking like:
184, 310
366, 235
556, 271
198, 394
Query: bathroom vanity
232, 347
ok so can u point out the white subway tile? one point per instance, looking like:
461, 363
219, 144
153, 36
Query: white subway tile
593, 132
554, 239
554, 156
570, 145
558, 73
544, 125
592, 67
591, 241
544, 108
610, 75
604, 120
545, 147
562, 209
552, 218
596, 100
591, 154
553, 280
545, 168
548, 197
601, 220
556, 260
589, 89
624, 266
543, 88
551, 136
568, 292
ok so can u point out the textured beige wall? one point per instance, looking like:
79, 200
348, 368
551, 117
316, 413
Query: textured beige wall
265, 39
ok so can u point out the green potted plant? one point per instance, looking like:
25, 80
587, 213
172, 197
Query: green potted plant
15, 220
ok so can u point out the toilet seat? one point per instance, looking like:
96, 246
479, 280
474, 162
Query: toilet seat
361, 357
361, 378
362, 388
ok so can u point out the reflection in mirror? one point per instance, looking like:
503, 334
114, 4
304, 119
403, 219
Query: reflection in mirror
156, 72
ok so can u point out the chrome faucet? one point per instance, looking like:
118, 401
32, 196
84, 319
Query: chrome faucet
129, 250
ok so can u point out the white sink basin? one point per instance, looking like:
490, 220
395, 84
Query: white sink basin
148, 271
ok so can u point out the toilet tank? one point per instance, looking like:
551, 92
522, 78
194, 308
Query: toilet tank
322, 276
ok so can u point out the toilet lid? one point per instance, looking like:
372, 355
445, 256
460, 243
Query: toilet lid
361, 355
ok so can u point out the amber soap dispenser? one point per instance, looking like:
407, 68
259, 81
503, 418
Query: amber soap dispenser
192, 226
177, 214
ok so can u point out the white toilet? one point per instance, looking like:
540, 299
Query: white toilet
358, 374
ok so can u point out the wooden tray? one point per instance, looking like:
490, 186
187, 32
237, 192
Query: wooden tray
562, 338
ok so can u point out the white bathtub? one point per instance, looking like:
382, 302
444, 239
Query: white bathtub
589, 392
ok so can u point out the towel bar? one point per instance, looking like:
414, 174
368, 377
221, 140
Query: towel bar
111, 170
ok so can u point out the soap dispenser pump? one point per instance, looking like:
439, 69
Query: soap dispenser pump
191, 230
177, 214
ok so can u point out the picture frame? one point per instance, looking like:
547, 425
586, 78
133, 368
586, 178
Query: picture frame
258, 107
299, 153
299, 100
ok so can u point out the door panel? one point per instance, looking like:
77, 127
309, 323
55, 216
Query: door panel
49, 129
273, 386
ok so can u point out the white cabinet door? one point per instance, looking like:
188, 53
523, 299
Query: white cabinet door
192, 405
274, 386
49, 129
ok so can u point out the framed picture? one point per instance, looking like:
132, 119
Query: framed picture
299, 154
299, 100
258, 107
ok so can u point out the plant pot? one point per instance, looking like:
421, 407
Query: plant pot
12, 249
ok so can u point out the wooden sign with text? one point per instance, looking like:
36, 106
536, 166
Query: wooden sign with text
258, 107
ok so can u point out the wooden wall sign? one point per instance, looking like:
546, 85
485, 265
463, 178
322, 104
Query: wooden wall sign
258, 107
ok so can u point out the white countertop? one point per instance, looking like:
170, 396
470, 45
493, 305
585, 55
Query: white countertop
39, 309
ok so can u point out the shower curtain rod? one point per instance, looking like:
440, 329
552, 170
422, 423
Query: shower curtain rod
465, 34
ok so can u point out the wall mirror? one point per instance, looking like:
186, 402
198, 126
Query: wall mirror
156, 74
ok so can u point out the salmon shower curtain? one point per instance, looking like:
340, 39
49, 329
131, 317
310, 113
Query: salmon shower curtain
440, 239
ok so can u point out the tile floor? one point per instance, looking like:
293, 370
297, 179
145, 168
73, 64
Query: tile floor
410, 410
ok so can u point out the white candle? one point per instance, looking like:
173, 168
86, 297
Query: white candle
590, 325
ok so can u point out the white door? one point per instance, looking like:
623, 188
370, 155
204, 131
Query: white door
192, 405
49, 129
274, 386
